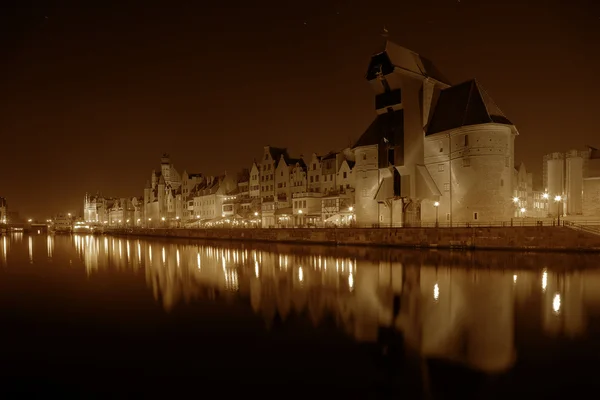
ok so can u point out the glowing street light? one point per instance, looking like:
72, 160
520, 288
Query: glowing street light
437, 212
558, 199
29, 220
256, 213
350, 208
545, 196
515, 200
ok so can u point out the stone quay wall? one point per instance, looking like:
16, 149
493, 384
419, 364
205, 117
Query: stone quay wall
533, 238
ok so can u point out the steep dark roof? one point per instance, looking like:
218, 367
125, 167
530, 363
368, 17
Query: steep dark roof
276, 152
389, 125
463, 105
294, 161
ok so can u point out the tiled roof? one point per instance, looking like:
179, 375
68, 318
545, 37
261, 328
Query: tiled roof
463, 105
388, 126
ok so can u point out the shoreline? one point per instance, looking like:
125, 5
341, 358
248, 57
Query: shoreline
521, 239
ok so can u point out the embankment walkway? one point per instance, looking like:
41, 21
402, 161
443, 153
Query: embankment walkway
528, 238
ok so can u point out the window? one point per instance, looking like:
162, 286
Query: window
266, 156
441, 146
501, 182
364, 193
466, 162
440, 167
475, 216
281, 173
466, 140
364, 156
345, 175
447, 216
314, 166
446, 187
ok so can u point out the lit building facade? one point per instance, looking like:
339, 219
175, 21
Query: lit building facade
3, 211
574, 177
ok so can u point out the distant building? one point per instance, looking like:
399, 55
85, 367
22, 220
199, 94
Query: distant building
575, 177
163, 203
208, 197
3, 211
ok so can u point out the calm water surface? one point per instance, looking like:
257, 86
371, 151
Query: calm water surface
98, 317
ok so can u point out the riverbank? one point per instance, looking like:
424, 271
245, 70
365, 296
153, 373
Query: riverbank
530, 238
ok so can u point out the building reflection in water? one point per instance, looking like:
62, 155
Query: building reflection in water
450, 305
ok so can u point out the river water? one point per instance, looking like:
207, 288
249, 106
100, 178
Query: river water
100, 316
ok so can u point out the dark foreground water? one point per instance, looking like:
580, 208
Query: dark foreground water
104, 317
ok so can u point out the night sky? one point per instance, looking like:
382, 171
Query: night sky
92, 93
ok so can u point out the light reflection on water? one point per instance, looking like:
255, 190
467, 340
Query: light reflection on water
448, 309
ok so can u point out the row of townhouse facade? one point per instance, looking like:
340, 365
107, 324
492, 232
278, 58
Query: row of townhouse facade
276, 191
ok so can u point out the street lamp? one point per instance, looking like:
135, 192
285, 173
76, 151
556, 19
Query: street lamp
523, 211
437, 212
350, 208
558, 199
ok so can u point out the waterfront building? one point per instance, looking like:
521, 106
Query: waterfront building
345, 177
188, 181
3, 211
522, 192
433, 149
306, 209
208, 197
469, 151
313, 175
575, 177
163, 197
96, 208
337, 209
255, 179
125, 212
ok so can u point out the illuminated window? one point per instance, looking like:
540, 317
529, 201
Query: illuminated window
440, 167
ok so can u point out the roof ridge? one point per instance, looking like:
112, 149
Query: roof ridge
486, 96
468, 103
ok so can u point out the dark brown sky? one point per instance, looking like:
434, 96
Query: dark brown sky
92, 94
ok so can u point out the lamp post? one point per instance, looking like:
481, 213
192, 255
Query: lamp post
546, 196
523, 212
437, 212
558, 198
